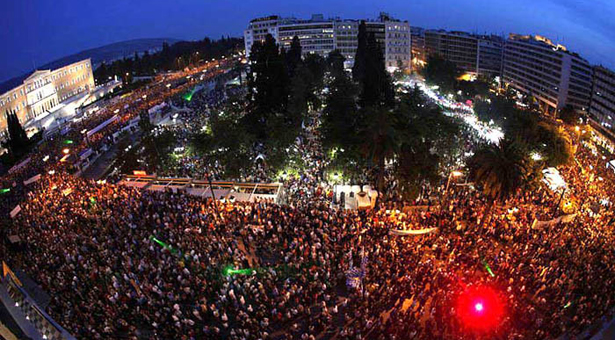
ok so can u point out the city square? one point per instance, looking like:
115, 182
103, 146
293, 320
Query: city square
315, 178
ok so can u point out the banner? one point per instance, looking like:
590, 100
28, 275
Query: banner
32, 179
15, 211
7, 271
102, 125
19, 166
562, 219
412, 232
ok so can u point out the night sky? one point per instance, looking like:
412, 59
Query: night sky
39, 31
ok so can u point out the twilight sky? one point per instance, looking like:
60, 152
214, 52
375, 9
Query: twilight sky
39, 31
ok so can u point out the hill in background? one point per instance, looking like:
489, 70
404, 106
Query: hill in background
107, 53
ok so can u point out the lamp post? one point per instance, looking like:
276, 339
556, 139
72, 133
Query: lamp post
454, 173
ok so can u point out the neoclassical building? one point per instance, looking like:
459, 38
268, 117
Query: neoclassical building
43, 90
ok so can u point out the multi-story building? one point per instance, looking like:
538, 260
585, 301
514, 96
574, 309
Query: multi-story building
555, 77
472, 54
258, 30
602, 106
458, 47
490, 54
398, 45
321, 36
418, 47
316, 35
43, 90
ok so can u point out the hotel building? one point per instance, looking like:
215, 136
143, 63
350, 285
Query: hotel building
321, 36
44, 90
535, 66
602, 106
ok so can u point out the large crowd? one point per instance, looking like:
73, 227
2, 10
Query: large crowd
124, 263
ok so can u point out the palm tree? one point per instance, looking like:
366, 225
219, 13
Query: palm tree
379, 141
500, 170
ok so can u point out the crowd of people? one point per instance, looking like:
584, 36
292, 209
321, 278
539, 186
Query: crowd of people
120, 262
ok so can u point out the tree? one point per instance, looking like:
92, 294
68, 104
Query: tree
442, 73
500, 170
145, 123
101, 74
335, 63
553, 145
376, 85
267, 86
358, 69
126, 156
18, 142
380, 141
340, 122
569, 115
293, 56
429, 139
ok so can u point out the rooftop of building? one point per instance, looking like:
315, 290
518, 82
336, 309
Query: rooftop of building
540, 40
17, 82
604, 69
492, 37
317, 18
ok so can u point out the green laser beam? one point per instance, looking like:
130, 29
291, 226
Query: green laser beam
230, 271
4, 191
68, 141
162, 244
488, 268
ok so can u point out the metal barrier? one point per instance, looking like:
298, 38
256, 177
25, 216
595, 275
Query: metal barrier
31, 318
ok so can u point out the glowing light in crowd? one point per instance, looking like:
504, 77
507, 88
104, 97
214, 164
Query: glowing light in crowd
5, 190
480, 308
51, 172
46, 158
66, 151
228, 271
536, 156
68, 141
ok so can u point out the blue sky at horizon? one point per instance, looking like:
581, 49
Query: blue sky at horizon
35, 32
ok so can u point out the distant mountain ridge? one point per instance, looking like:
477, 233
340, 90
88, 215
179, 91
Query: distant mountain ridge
106, 53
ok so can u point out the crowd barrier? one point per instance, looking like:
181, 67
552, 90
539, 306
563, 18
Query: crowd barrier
31, 319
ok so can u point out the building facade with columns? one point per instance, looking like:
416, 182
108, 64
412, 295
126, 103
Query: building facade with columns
44, 90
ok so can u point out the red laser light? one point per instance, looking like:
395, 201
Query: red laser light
480, 308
